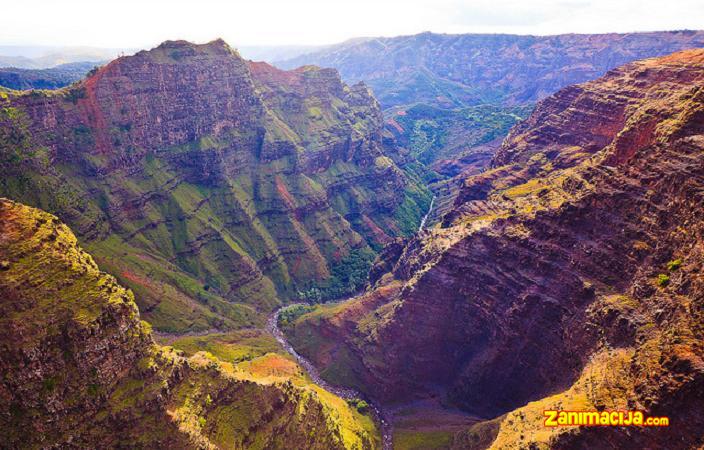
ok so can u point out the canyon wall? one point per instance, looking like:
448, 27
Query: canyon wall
449, 99
569, 274
211, 186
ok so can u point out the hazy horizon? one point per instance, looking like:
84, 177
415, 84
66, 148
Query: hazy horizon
277, 23
38, 51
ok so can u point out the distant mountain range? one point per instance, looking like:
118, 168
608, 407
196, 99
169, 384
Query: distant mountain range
449, 99
41, 67
52, 78
270, 53
45, 57
460, 70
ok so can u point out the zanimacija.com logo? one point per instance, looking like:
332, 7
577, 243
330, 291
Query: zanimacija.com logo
555, 418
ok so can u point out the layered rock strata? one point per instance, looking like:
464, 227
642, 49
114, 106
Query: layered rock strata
80, 370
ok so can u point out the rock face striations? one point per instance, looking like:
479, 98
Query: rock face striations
570, 273
210, 185
80, 370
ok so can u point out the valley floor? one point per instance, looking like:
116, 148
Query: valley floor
427, 424
419, 424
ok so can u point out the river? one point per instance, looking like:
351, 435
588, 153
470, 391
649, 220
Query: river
381, 417
425, 217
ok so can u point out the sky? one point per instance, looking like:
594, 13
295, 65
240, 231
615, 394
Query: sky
146, 23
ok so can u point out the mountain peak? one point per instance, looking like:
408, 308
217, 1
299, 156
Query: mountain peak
182, 49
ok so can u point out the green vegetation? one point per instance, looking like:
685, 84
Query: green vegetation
154, 395
674, 265
425, 87
234, 347
534, 185
346, 277
427, 135
383, 162
75, 93
422, 440
293, 312
433, 133
411, 211
304, 334
203, 245
49, 384
663, 280
359, 404
15, 138
51, 78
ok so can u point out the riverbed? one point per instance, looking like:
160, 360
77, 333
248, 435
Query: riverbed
381, 417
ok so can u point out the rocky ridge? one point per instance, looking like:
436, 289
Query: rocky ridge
461, 70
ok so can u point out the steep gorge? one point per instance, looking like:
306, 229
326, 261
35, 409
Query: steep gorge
568, 275
211, 186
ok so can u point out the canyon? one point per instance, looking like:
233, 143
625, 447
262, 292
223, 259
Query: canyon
450, 99
272, 258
